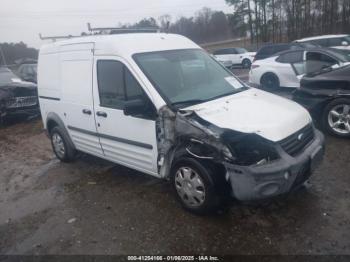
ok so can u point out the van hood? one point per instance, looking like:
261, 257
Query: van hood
255, 111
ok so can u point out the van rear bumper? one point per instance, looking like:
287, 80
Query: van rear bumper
278, 177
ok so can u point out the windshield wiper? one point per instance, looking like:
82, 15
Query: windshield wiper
199, 101
189, 102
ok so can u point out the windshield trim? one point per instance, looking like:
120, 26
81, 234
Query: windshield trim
159, 90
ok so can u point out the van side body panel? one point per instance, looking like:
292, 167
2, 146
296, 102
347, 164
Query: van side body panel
125, 139
76, 62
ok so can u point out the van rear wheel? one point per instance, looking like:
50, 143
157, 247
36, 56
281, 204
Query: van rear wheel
194, 187
60, 146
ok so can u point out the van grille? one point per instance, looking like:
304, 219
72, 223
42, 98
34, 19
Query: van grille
19, 102
294, 144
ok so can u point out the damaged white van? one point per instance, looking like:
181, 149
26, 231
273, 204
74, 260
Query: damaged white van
159, 104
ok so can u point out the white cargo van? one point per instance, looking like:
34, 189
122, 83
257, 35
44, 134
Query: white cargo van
160, 104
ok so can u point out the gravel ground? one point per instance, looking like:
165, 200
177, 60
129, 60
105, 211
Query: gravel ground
96, 207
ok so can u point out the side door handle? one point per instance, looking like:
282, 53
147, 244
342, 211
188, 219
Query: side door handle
102, 114
86, 111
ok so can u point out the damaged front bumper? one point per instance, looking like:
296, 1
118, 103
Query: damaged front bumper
277, 177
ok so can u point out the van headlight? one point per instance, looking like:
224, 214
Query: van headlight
251, 150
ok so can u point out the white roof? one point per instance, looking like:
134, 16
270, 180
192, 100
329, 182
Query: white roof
319, 37
126, 44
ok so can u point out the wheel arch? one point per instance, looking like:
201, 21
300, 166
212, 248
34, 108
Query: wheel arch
322, 106
247, 58
53, 120
218, 169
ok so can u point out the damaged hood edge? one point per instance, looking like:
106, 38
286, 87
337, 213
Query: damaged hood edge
255, 111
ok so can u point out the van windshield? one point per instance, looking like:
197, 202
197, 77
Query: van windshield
187, 77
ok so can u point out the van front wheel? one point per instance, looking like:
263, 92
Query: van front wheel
60, 145
194, 186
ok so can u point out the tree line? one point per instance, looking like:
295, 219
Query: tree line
287, 20
205, 26
261, 20
12, 52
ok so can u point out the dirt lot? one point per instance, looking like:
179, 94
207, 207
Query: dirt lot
95, 207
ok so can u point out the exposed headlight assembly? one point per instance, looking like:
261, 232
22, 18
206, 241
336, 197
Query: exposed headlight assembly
252, 150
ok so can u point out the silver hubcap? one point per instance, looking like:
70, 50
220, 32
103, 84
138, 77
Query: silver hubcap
190, 186
58, 145
339, 119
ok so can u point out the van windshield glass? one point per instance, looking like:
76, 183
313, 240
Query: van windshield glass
187, 77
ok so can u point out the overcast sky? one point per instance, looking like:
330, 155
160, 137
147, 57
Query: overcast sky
22, 20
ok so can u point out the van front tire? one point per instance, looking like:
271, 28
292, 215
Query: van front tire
194, 186
60, 146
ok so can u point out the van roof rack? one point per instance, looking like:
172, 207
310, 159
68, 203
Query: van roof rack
118, 30
102, 30
54, 38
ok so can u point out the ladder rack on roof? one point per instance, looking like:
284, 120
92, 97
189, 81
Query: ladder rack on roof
54, 38
117, 30
104, 30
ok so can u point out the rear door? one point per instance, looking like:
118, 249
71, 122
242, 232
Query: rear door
235, 56
223, 55
128, 140
316, 61
77, 100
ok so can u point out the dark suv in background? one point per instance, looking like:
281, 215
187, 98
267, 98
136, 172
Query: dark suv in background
17, 97
272, 49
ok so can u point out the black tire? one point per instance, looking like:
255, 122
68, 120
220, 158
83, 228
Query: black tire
270, 81
212, 200
69, 153
337, 103
246, 63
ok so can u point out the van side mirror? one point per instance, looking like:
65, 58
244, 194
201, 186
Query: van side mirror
135, 107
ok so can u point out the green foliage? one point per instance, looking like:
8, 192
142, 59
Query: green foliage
205, 26
16, 51
283, 20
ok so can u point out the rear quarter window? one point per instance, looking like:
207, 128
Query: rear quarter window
321, 42
267, 51
291, 57
337, 41
221, 52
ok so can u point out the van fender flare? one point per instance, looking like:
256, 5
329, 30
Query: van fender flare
58, 121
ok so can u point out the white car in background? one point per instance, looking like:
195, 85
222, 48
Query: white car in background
235, 56
287, 68
333, 41
225, 62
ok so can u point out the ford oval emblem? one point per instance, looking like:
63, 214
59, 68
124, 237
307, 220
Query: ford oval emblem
300, 136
